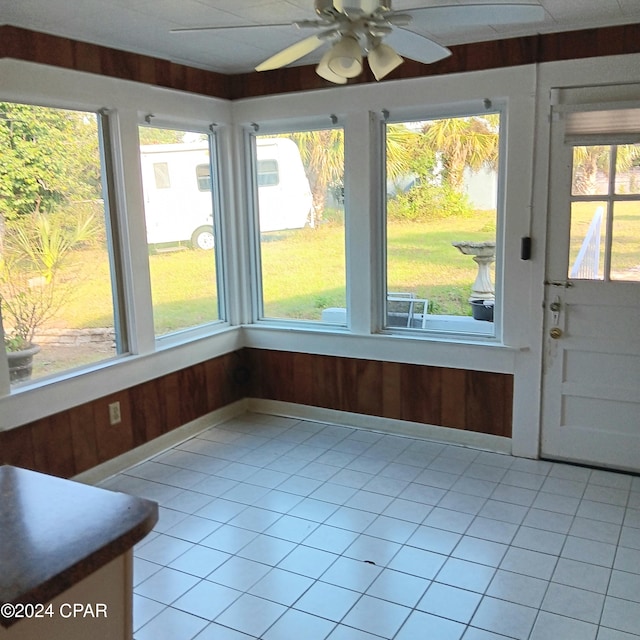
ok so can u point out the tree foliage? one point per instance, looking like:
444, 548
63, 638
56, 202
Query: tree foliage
49, 157
427, 167
155, 135
322, 153
463, 143
33, 284
590, 161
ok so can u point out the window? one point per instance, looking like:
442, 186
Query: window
300, 207
180, 221
605, 212
441, 218
268, 173
161, 175
203, 177
58, 268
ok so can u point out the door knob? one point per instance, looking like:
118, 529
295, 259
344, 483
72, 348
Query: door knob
555, 333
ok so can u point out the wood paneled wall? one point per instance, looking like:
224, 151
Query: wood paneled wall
461, 399
75, 440
32, 46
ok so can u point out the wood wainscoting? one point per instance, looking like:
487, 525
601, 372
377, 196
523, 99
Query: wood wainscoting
456, 398
70, 442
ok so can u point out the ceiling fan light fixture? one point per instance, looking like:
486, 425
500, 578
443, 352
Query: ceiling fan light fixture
383, 60
324, 72
345, 57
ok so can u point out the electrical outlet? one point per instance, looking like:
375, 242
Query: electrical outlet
115, 416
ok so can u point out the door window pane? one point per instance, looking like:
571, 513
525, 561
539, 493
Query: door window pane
301, 224
587, 240
605, 228
442, 193
590, 170
180, 228
625, 246
56, 287
628, 169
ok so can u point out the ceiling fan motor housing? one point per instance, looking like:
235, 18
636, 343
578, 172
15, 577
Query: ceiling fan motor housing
347, 7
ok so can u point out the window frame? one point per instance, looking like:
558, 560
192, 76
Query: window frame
142, 358
585, 116
468, 109
610, 198
251, 133
106, 124
186, 334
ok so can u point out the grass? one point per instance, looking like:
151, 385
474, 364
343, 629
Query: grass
184, 291
304, 271
625, 258
422, 260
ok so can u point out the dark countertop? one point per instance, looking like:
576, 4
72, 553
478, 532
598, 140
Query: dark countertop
55, 532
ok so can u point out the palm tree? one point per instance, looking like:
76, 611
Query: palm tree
471, 142
399, 141
589, 160
322, 153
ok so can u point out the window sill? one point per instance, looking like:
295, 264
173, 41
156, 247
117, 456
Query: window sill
44, 396
454, 350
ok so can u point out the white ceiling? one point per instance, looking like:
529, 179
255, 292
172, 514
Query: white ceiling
143, 26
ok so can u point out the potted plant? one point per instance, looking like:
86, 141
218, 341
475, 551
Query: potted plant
26, 304
31, 287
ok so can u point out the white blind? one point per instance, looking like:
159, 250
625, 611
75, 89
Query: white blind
603, 122
599, 114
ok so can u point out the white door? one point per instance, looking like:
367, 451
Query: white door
591, 379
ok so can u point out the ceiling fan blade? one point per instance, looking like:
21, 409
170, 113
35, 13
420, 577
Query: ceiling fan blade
416, 47
443, 18
232, 26
292, 53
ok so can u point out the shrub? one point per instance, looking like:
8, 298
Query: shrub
428, 202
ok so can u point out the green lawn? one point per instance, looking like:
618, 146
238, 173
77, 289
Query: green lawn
625, 258
304, 271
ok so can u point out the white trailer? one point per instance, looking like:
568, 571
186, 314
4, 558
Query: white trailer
177, 190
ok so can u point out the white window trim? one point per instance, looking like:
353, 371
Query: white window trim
211, 131
126, 102
251, 131
457, 328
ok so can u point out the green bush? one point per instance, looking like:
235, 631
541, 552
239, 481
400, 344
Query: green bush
428, 202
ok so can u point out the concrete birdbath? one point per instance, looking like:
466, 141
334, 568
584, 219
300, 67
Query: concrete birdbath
483, 254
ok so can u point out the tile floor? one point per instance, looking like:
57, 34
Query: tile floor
282, 529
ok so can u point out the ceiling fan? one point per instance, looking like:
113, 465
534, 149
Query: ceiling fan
355, 29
